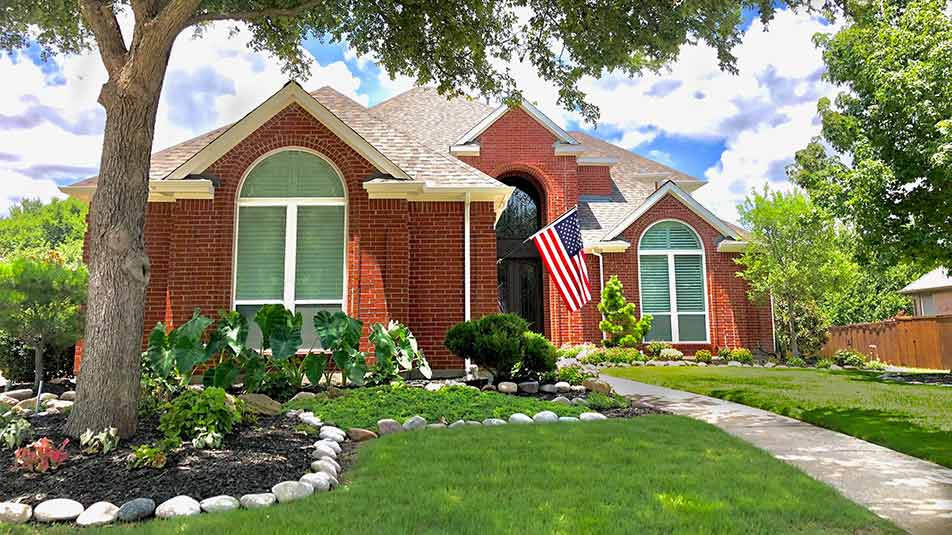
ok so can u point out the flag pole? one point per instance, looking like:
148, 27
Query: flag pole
527, 240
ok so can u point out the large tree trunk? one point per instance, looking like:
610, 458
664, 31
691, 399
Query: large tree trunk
792, 326
37, 366
108, 389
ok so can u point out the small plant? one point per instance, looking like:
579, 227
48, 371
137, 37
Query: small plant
339, 335
653, 349
573, 375
742, 355
875, 365
14, 431
702, 355
824, 364
614, 355
569, 351
621, 326
600, 402
153, 456
396, 351
101, 442
724, 353
210, 409
41, 456
669, 353
796, 362
849, 357
538, 356
206, 439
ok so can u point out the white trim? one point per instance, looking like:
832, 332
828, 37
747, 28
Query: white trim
159, 190
670, 187
526, 106
291, 93
471, 149
466, 259
732, 246
600, 161
290, 238
567, 149
617, 246
418, 191
672, 283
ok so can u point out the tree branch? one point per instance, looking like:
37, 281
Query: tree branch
101, 20
256, 14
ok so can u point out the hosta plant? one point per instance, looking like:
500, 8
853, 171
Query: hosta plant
101, 442
210, 409
41, 456
206, 439
14, 431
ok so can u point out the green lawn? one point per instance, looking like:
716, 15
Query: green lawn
364, 407
654, 474
913, 419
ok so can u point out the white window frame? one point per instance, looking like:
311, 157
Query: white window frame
672, 284
291, 204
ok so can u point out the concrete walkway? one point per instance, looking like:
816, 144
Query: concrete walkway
914, 494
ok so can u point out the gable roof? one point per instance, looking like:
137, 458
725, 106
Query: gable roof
936, 279
473, 133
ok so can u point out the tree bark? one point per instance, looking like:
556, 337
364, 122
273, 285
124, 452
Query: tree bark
791, 324
37, 366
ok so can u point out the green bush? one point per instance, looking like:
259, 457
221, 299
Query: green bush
194, 412
875, 365
500, 343
796, 362
620, 325
670, 353
824, 363
14, 431
614, 355
600, 402
702, 355
16, 361
653, 349
569, 351
849, 357
573, 375
724, 353
538, 356
742, 355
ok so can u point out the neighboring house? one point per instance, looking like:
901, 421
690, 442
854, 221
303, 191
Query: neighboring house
415, 209
931, 293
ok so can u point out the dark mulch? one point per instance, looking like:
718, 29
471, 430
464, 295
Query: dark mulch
252, 460
919, 378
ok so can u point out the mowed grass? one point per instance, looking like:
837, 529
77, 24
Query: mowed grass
364, 407
653, 474
913, 419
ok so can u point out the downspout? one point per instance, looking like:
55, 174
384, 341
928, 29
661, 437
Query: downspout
467, 305
601, 281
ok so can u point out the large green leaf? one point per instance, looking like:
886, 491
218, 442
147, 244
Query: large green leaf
233, 330
188, 353
194, 328
384, 346
254, 371
221, 376
314, 366
267, 317
159, 353
286, 337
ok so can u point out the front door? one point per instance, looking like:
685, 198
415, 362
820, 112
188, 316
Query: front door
519, 267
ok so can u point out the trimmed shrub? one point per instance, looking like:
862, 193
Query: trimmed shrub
573, 375
702, 355
742, 355
796, 362
538, 356
669, 353
824, 363
849, 357
875, 365
620, 325
653, 349
724, 353
503, 344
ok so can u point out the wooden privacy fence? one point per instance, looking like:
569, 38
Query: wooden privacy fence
920, 342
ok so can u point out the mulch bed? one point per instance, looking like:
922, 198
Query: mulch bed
253, 459
919, 378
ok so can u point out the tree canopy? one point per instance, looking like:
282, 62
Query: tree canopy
884, 160
35, 228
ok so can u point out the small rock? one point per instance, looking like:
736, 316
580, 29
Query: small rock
261, 404
702, 364
359, 435
137, 509
580, 401
769, 365
219, 504
319, 482
488, 388
303, 395
388, 426
58, 510
507, 387
597, 385
562, 400
836, 367
656, 363
457, 423
414, 423
15, 513
563, 387
579, 389
289, 491
6, 401
591, 416
333, 435
98, 513
529, 387
333, 429
19, 395
519, 418
433, 387
548, 389
178, 506
58, 404
69, 395
330, 444
568, 419
322, 465
473, 422
734, 363
257, 501
545, 417
316, 465
436, 426
322, 451
494, 421
310, 419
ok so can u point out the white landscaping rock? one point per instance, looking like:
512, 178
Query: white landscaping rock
519, 418
15, 513
319, 482
388, 426
563, 387
333, 435
98, 513
562, 400
568, 419
322, 450
414, 423
591, 416
220, 504
178, 506
316, 467
335, 429
457, 423
734, 364
493, 421
507, 387
58, 510
326, 467
256, 501
545, 417
289, 491
579, 389
548, 389
310, 419
330, 444
580, 401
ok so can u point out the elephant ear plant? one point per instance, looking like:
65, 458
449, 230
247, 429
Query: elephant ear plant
281, 333
340, 336
396, 351
171, 356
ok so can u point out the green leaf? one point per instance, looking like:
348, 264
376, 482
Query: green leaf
267, 317
314, 366
194, 328
384, 347
188, 353
286, 338
158, 353
233, 330
254, 371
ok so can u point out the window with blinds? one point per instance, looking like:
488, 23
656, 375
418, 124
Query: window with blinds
672, 285
291, 238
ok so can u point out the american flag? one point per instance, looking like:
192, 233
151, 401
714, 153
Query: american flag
560, 244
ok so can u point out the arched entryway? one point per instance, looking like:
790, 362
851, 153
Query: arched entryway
519, 269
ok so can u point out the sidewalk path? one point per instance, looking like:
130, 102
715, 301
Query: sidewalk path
915, 494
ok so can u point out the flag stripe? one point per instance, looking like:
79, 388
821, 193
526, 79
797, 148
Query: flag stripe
571, 266
555, 269
566, 267
560, 245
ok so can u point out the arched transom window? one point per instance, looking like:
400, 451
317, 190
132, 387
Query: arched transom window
290, 243
672, 282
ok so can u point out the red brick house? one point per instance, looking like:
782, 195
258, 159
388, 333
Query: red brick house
404, 210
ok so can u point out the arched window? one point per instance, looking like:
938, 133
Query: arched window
290, 238
672, 283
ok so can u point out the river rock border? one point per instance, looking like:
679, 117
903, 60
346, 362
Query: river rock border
324, 475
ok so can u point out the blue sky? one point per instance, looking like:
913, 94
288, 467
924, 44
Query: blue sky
736, 132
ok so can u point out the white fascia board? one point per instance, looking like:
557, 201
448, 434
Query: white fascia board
159, 190
604, 161
427, 192
616, 246
670, 187
732, 246
533, 112
566, 149
471, 149
291, 93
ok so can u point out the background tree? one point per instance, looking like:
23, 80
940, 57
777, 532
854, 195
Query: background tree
620, 323
41, 304
793, 257
34, 228
889, 172
459, 46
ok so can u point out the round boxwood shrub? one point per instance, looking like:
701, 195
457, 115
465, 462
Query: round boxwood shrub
503, 344
742, 355
16, 361
538, 356
702, 355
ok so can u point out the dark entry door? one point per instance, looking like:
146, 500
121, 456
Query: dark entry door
519, 268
